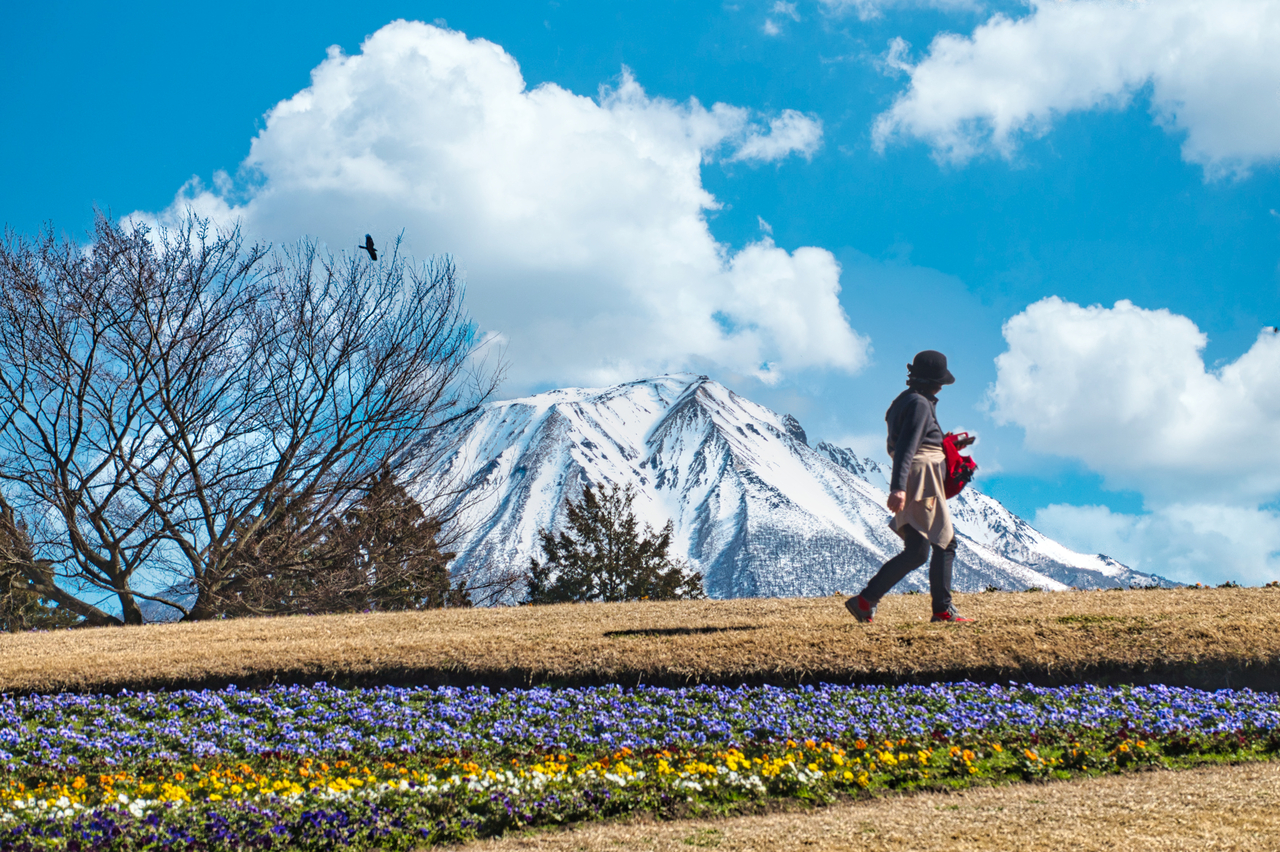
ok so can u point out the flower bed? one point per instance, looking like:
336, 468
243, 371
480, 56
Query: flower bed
319, 768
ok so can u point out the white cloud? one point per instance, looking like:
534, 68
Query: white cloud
867, 10
1126, 391
790, 132
579, 222
866, 444
789, 9
782, 9
896, 60
1213, 68
1186, 542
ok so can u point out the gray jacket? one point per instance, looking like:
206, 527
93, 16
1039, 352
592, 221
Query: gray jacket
913, 422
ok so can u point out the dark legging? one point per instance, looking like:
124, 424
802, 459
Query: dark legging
915, 554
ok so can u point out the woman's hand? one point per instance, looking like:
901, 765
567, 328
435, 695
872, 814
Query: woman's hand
897, 501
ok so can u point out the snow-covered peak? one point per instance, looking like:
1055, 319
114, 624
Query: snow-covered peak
753, 507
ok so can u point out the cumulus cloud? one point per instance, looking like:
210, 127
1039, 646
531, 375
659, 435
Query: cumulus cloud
867, 10
1186, 542
579, 222
1126, 391
1213, 69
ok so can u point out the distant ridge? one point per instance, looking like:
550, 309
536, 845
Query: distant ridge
756, 510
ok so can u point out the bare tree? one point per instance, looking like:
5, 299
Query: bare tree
168, 399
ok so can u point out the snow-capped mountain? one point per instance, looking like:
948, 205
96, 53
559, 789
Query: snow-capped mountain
755, 509
984, 520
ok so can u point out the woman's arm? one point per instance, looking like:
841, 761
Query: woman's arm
912, 424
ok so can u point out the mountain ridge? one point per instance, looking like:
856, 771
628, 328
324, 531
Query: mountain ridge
754, 508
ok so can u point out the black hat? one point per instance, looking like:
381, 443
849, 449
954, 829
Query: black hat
930, 366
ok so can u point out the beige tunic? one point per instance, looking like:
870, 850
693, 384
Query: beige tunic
926, 508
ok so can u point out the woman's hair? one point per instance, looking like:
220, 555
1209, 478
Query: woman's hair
922, 385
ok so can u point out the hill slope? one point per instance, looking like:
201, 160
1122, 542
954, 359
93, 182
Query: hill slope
1195, 637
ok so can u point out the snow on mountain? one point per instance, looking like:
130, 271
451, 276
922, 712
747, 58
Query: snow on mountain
755, 509
986, 521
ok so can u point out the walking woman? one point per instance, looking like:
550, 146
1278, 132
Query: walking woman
917, 492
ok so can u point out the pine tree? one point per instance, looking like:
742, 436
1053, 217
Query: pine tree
22, 608
382, 553
605, 555
388, 550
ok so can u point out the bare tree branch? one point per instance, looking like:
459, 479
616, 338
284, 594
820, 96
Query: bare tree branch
166, 397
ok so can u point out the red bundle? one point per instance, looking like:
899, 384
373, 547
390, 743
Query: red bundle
959, 468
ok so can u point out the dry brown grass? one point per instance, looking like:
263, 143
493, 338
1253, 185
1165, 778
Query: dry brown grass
1208, 638
1218, 808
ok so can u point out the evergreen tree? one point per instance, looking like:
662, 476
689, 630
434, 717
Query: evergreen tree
605, 555
21, 607
388, 549
382, 553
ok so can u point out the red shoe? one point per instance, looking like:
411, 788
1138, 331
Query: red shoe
951, 617
860, 609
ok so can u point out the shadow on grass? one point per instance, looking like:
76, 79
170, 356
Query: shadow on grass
679, 631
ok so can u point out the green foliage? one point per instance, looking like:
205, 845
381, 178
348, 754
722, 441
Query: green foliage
605, 555
389, 547
382, 553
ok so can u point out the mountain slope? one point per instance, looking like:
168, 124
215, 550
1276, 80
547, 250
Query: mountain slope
755, 509
985, 520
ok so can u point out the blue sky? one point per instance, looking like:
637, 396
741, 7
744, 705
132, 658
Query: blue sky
1035, 165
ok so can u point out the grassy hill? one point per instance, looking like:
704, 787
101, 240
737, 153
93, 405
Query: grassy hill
1206, 638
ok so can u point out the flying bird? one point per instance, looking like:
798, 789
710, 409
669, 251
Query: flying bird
368, 246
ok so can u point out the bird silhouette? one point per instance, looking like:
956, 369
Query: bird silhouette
368, 246
1271, 328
